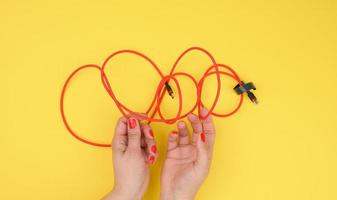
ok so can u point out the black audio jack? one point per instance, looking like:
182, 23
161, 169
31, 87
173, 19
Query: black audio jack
169, 89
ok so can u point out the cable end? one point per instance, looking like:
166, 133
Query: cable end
256, 102
171, 94
246, 88
169, 90
252, 97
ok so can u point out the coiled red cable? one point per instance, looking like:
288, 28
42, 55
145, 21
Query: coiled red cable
154, 107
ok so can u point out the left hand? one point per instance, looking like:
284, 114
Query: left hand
133, 149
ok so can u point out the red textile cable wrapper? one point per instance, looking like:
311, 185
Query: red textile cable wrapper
215, 69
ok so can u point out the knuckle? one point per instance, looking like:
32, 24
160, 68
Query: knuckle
133, 134
133, 151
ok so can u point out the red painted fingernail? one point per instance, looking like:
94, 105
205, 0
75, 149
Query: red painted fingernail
132, 123
154, 149
175, 132
203, 137
151, 133
151, 159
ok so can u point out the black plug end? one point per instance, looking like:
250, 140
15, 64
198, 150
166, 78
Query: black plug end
246, 88
252, 97
169, 90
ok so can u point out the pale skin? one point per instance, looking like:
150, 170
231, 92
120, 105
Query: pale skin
185, 168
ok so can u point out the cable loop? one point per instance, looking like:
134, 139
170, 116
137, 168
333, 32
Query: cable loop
154, 107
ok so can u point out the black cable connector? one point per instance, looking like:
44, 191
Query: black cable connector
246, 87
169, 89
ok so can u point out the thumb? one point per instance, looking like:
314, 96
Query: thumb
119, 141
134, 134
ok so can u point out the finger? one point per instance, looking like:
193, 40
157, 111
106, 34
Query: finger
142, 141
184, 137
208, 127
151, 147
196, 126
120, 140
172, 142
140, 117
134, 134
203, 160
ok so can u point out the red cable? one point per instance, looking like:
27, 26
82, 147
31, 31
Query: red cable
160, 92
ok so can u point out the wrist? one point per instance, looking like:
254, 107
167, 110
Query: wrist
176, 197
118, 195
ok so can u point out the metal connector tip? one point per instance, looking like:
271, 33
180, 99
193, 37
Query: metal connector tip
172, 95
255, 101
252, 97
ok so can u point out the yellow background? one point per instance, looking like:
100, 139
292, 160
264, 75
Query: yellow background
284, 148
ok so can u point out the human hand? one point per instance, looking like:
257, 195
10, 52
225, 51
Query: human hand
187, 163
133, 148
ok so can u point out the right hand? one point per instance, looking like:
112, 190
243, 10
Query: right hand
187, 162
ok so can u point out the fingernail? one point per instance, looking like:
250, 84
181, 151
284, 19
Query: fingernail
175, 132
132, 123
181, 124
151, 159
151, 133
203, 137
154, 149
